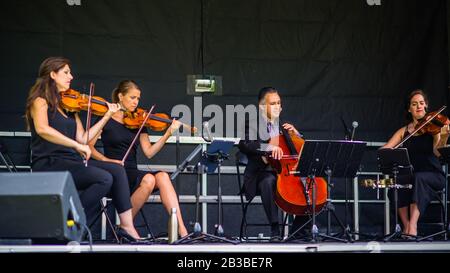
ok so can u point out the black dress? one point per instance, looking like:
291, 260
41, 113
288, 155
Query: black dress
116, 140
93, 182
428, 176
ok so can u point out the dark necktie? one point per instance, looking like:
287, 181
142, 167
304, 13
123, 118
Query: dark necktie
269, 127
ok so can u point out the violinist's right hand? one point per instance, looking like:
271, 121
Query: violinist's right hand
83, 150
115, 161
113, 108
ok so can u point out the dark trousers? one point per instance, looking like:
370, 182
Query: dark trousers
266, 188
425, 186
93, 182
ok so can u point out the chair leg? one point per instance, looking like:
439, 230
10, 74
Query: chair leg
284, 225
147, 226
244, 222
443, 211
445, 228
104, 210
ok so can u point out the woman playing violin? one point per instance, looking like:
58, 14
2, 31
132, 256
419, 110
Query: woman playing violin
117, 138
422, 148
59, 144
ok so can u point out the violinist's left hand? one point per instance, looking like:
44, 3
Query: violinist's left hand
174, 126
113, 108
445, 130
290, 128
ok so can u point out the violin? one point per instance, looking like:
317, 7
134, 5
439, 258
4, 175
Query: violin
431, 123
294, 194
434, 126
156, 122
74, 101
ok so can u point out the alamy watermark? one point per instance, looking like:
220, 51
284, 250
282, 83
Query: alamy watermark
373, 2
73, 2
230, 123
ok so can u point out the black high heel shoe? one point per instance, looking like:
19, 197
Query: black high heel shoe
124, 236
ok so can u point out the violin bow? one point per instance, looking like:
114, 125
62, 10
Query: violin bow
137, 135
420, 127
88, 118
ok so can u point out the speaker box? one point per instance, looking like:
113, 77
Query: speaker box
41, 206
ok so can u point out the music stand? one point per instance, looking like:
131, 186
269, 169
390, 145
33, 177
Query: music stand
343, 161
331, 159
445, 158
211, 160
395, 162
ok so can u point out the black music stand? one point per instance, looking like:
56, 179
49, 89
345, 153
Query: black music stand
343, 161
330, 159
395, 162
211, 160
445, 158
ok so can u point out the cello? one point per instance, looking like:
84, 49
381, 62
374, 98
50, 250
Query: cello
294, 194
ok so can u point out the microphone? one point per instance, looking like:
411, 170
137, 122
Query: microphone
354, 125
208, 131
346, 130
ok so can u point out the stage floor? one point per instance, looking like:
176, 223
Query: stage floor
325, 247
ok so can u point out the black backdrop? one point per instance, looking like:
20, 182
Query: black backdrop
329, 58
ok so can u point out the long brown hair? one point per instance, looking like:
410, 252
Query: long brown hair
122, 88
45, 86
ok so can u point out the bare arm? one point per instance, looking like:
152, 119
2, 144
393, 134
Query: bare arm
444, 136
44, 130
436, 143
149, 149
395, 139
94, 130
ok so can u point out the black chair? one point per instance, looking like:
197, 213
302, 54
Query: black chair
242, 161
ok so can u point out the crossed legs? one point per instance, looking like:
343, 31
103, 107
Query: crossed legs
169, 198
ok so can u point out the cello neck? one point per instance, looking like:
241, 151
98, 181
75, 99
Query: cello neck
289, 142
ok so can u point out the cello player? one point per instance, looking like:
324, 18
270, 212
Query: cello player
259, 177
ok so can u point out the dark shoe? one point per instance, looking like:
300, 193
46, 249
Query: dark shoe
275, 233
275, 239
408, 237
124, 236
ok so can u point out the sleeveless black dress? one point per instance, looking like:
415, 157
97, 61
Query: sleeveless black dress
92, 182
428, 176
116, 139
